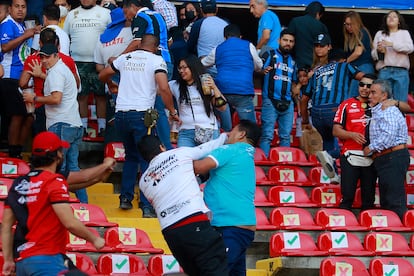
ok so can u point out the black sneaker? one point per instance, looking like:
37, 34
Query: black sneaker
101, 132
125, 204
148, 212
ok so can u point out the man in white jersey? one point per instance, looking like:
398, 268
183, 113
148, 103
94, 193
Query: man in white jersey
171, 186
84, 26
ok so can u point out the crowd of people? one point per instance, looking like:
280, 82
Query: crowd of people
185, 69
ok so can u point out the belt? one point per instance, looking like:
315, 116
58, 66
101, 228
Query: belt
197, 217
389, 150
131, 110
395, 67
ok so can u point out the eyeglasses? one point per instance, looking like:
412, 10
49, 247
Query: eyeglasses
363, 84
181, 68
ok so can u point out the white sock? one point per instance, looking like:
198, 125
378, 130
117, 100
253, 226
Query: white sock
101, 123
85, 122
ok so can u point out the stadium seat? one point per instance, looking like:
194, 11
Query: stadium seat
1, 210
410, 197
410, 101
13, 167
327, 196
133, 240
409, 176
410, 122
77, 244
91, 215
381, 220
293, 218
121, 264
294, 244
159, 265
288, 175
92, 132
260, 198
115, 150
261, 178
1, 260
410, 140
409, 219
342, 266
387, 244
260, 158
5, 184
83, 262
290, 196
357, 200
342, 244
318, 177
385, 266
262, 222
289, 156
333, 219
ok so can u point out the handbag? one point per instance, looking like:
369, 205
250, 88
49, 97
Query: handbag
311, 141
280, 105
203, 135
357, 158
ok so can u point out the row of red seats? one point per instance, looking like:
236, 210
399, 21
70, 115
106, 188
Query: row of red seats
390, 266
333, 219
340, 244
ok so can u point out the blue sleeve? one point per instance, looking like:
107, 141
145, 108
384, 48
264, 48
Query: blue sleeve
193, 38
7, 32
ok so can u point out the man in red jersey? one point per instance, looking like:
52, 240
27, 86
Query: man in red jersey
38, 203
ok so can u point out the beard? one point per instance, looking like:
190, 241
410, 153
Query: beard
285, 51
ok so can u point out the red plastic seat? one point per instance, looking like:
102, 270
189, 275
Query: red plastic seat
290, 196
13, 167
115, 150
409, 176
121, 264
387, 244
384, 266
410, 197
92, 132
122, 239
410, 101
261, 178
334, 219
409, 219
260, 158
382, 220
410, 140
80, 245
293, 218
91, 215
288, 175
159, 265
410, 122
260, 198
289, 156
411, 159
334, 266
262, 222
1, 210
5, 184
342, 244
294, 244
327, 196
318, 177
83, 262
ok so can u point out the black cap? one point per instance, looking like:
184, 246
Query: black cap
48, 50
322, 39
208, 6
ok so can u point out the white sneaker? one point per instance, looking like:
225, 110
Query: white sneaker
327, 163
336, 179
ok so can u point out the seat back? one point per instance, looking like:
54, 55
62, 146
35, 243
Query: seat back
290, 196
5, 184
127, 264
409, 190
260, 158
289, 156
339, 241
387, 265
83, 262
387, 243
409, 219
262, 222
338, 219
160, 264
78, 244
334, 266
327, 196
13, 167
382, 220
115, 150
91, 215
293, 244
261, 178
318, 177
288, 175
260, 198
293, 218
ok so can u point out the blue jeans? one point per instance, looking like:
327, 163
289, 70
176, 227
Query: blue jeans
163, 126
243, 105
186, 137
237, 240
367, 68
270, 115
399, 81
322, 120
41, 265
225, 118
131, 129
72, 135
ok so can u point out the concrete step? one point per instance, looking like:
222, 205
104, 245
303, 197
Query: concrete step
101, 188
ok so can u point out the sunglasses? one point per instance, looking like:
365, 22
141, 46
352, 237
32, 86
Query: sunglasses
362, 84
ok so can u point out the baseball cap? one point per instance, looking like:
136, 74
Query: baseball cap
48, 50
208, 6
322, 39
47, 141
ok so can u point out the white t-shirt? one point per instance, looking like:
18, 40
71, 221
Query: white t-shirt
60, 78
84, 28
186, 115
114, 48
64, 41
170, 185
137, 87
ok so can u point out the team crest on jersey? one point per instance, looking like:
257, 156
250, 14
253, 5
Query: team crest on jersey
135, 29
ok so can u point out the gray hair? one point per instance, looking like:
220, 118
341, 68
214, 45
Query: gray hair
264, 2
385, 87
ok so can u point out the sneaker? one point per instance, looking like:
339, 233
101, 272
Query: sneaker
327, 163
336, 179
101, 132
148, 212
125, 204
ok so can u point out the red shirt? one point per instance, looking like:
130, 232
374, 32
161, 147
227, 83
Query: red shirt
351, 115
39, 82
31, 198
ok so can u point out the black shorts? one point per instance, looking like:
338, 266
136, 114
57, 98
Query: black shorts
11, 100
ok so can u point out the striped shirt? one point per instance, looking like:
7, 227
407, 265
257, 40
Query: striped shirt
387, 129
278, 82
330, 83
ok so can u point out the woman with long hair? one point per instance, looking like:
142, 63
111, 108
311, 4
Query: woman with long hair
357, 46
391, 47
194, 106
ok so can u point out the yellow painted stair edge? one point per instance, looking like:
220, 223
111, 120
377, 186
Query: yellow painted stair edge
271, 265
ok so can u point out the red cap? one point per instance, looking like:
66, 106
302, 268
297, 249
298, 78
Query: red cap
46, 142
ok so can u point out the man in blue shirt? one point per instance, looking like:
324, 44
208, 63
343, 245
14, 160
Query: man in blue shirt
229, 192
388, 136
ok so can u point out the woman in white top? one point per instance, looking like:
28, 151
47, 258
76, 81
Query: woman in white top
199, 124
391, 47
